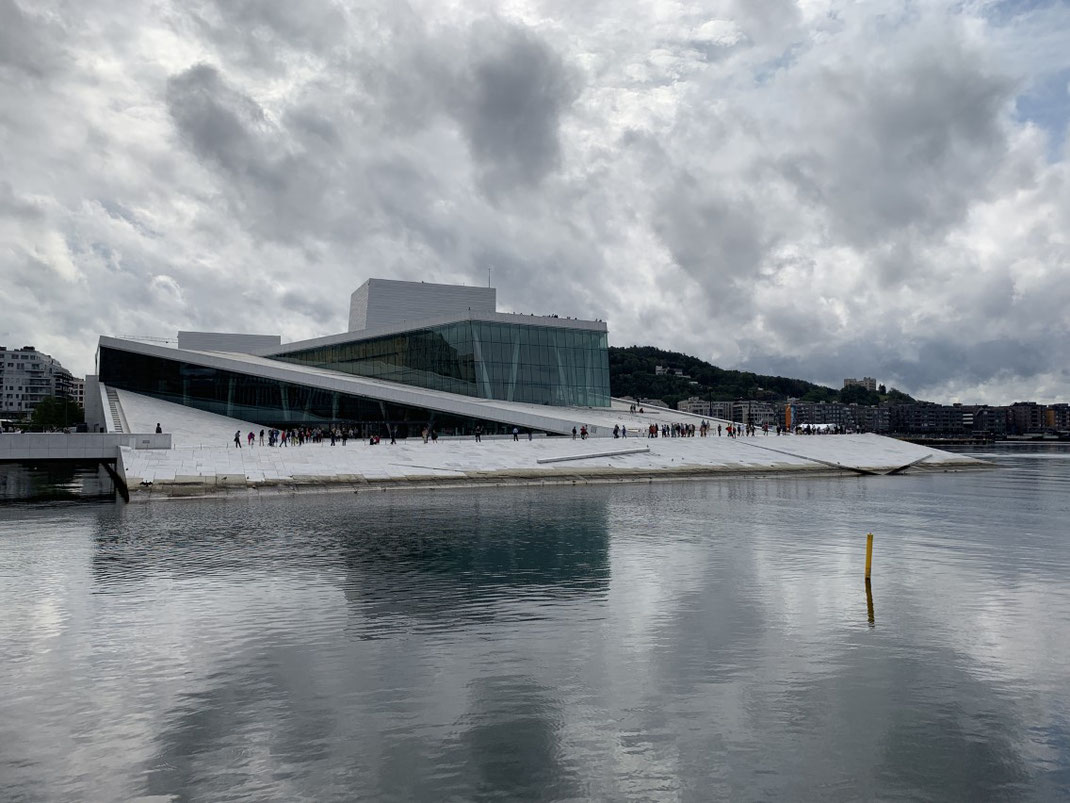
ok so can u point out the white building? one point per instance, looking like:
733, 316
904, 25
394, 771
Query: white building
417, 356
694, 405
758, 413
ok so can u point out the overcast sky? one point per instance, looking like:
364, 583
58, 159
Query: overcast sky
820, 188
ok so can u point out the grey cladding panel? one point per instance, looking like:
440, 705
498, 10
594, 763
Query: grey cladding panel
383, 302
226, 341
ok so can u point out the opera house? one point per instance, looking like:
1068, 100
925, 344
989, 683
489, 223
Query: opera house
416, 354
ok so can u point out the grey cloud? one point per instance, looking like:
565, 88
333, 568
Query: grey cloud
935, 360
16, 207
842, 194
263, 36
509, 102
27, 42
216, 120
910, 144
715, 235
279, 191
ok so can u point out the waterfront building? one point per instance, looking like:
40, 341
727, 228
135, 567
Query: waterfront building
1058, 417
758, 413
803, 413
416, 354
871, 418
721, 409
1026, 417
26, 377
695, 405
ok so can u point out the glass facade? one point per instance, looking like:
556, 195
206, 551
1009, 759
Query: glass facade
272, 403
505, 361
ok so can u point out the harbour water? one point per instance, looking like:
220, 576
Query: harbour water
692, 640
66, 480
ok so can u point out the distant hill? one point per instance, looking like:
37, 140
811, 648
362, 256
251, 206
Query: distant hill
632, 373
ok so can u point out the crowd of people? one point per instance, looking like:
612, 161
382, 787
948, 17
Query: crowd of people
299, 436
689, 430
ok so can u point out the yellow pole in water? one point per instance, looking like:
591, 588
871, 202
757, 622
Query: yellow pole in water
869, 553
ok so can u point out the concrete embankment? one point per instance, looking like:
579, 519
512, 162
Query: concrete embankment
358, 467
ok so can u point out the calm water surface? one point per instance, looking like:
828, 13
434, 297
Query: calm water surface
686, 641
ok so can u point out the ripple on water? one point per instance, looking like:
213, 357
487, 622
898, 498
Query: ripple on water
673, 640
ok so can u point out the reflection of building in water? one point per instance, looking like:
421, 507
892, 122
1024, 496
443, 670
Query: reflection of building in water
476, 553
403, 555
54, 480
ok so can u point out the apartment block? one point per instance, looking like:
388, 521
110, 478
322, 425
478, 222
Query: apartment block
26, 377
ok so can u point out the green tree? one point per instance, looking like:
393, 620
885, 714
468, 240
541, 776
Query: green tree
856, 394
55, 412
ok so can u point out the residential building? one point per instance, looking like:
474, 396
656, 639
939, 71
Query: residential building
26, 377
1026, 417
1059, 417
78, 391
695, 405
756, 413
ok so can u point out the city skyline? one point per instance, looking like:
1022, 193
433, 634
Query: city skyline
816, 189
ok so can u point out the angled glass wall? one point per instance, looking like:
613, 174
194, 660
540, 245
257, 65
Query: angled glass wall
270, 402
490, 360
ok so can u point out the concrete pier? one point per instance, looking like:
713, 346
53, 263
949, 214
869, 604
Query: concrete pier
75, 445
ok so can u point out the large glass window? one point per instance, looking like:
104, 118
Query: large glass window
511, 362
272, 403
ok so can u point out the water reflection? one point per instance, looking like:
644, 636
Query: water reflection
509, 745
449, 565
54, 481
870, 615
248, 733
670, 641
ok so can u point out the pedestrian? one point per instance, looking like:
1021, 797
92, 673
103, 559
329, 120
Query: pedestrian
237, 439
573, 433
159, 429
261, 437
616, 430
392, 430
479, 433
529, 434
624, 431
516, 434
434, 436
424, 433
251, 437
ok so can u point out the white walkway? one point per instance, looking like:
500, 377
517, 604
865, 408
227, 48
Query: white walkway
204, 449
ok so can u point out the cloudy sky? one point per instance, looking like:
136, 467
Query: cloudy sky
818, 188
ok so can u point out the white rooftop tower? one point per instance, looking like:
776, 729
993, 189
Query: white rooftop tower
387, 302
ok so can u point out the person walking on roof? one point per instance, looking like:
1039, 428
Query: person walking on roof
237, 438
